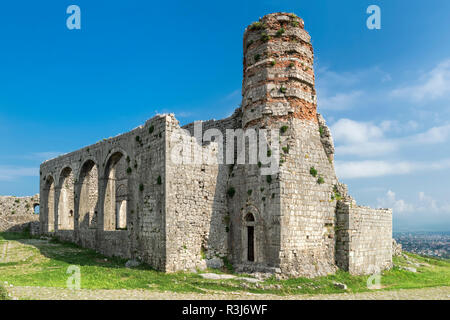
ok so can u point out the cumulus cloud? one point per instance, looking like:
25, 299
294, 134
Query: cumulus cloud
371, 168
340, 101
361, 138
398, 205
423, 204
433, 85
365, 139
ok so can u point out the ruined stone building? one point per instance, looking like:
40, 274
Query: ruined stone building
125, 196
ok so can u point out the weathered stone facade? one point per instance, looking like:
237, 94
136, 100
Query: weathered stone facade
18, 213
126, 196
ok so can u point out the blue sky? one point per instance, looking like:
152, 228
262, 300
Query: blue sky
385, 93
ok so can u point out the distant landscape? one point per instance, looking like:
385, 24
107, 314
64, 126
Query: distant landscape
435, 244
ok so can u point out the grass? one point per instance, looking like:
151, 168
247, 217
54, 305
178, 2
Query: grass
34, 262
3, 293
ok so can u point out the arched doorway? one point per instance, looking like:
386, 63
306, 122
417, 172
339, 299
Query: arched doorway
250, 235
66, 200
49, 208
88, 202
116, 193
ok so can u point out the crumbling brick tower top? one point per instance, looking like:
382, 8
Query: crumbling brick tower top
278, 79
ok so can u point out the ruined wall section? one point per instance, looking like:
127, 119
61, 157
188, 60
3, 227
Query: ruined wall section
16, 213
197, 213
141, 155
308, 181
363, 238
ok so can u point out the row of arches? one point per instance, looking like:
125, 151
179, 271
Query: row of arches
78, 202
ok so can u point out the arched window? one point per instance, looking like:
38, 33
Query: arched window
116, 193
66, 200
36, 209
49, 204
88, 200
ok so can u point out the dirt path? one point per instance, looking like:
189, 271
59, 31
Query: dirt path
40, 293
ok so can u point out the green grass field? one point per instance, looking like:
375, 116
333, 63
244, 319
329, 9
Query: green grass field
33, 262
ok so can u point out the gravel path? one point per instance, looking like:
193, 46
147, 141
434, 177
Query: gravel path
40, 293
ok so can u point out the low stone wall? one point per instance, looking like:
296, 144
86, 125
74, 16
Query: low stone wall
364, 238
17, 213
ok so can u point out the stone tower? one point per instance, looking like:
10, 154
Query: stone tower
291, 212
278, 71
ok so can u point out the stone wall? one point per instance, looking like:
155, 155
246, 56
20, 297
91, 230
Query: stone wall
16, 213
364, 238
307, 207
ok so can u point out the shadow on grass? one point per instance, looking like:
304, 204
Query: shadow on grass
69, 253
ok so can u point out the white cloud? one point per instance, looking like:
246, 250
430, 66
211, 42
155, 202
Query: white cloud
349, 131
371, 168
423, 204
10, 173
340, 101
434, 135
398, 205
361, 138
434, 84
365, 139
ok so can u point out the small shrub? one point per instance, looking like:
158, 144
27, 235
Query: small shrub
321, 131
151, 129
283, 129
269, 153
257, 26
280, 32
141, 187
272, 63
313, 171
128, 159
265, 37
129, 170
231, 191
320, 180
257, 57
159, 180
249, 192
263, 199
138, 139
262, 189
286, 149
269, 179
259, 164
295, 23
283, 89
291, 65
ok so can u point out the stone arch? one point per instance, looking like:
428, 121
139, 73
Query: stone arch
115, 201
66, 194
87, 191
49, 204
